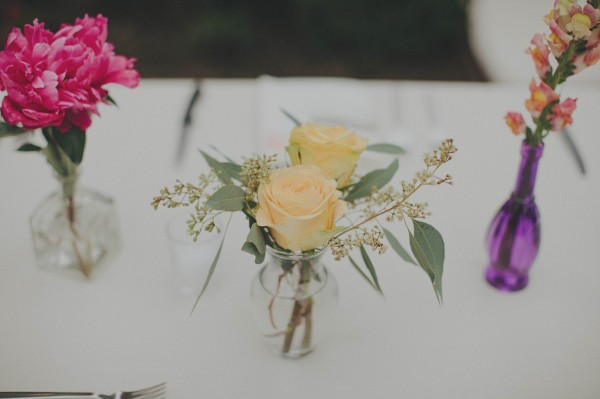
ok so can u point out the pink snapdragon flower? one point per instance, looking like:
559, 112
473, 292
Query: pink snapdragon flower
569, 21
541, 95
515, 122
539, 54
561, 114
57, 79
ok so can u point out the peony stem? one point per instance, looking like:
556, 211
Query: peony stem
68, 177
84, 264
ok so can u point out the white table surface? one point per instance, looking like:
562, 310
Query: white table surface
127, 328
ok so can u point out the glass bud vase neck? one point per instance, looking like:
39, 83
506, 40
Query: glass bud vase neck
74, 228
294, 299
514, 234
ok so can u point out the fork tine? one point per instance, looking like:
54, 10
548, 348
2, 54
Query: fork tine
147, 392
156, 395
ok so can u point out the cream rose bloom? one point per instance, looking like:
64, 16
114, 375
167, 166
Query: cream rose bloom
299, 206
334, 149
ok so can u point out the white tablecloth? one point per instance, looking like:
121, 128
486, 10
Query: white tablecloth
127, 328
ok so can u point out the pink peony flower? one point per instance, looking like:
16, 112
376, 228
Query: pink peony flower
57, 79
515, 122
561, 114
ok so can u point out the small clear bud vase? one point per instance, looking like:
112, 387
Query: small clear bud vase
514, 236
74, 229
294, 300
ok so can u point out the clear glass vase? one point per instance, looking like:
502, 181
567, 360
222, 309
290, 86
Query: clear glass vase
294, 299
514, 234
74, 229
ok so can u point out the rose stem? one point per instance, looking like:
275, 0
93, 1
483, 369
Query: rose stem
308, 326
291, 328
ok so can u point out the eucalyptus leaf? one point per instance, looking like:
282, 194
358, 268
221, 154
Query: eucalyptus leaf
232, 169
370, 267
255, 244
230, 198
397, 247
225, 171
221, 153
8, 130
386, 148
367, 279
213, 266
377, 178
427, 246
29, 147
291, 117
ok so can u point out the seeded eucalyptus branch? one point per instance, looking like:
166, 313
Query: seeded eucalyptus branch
392, 205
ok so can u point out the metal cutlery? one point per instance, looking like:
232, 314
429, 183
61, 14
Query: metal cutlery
566, 134
153, 392
187, 124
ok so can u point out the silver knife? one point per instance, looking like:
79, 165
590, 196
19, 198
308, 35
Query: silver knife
566, 134
187, 123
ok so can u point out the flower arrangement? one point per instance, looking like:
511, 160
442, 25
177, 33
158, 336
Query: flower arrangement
515, 232
318, 201
574, 42
54, 82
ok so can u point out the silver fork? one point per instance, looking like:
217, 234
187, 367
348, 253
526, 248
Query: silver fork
153, 392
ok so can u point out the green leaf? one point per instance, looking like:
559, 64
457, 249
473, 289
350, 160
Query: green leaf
232, 169
397, 247
29, 147
225, 171
72, 142
370, 267
213, 266
291, 117
386, 148
111, 100
357, 268
230, 198
59, 160
377, 178
255, 244
8, 130
427, 246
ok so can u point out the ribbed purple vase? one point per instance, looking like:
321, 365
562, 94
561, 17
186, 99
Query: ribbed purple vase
514, 235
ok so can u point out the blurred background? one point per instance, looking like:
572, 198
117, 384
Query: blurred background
368, 39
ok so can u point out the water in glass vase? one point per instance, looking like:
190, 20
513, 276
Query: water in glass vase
74, 229
294, 301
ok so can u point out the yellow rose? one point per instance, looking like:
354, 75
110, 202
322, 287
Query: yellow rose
334, 149
299, 206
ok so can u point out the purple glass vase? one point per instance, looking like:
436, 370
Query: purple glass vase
514, 235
